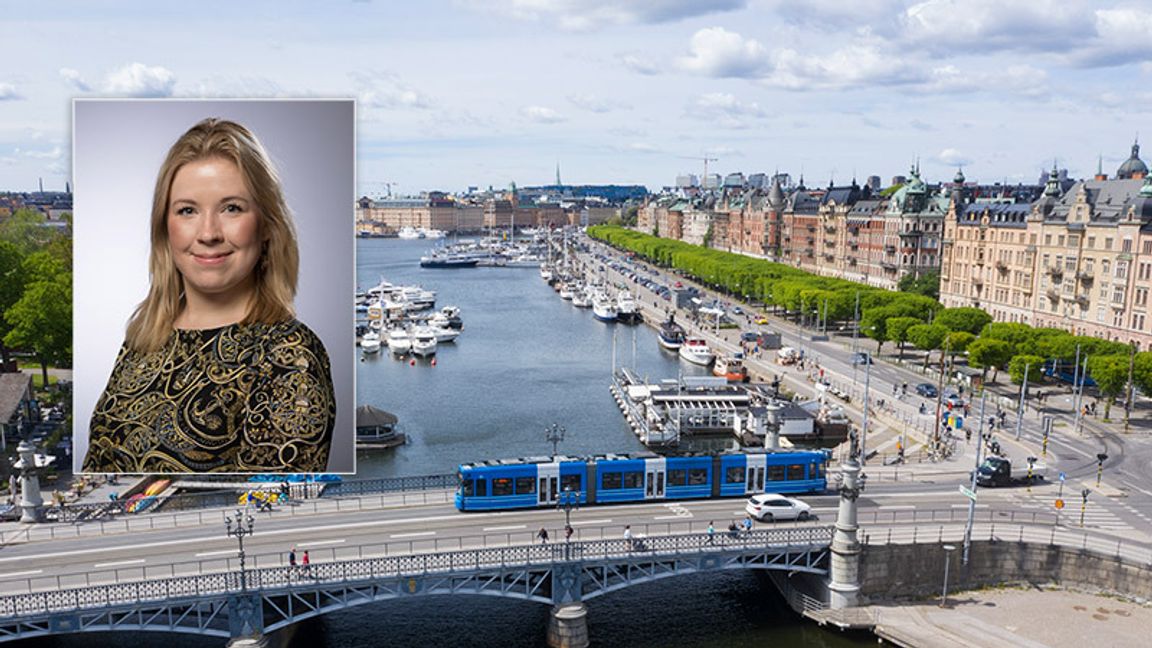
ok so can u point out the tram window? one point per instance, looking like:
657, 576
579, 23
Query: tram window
795, 472
697, 476
751, 480
818, 470
502, 486
610, 480
775, 473
570, 483
466, 488
677, 477
633, 480
525, 485
734, 475
481, 488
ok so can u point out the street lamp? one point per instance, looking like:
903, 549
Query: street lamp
238, 528
1083, 504
948, 549
555, 434
1101, 457
569, 500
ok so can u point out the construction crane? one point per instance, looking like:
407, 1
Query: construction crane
706, 159
387, 185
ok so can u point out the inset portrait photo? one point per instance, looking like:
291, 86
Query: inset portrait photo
214, 264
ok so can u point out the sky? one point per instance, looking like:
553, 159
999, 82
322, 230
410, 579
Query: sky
459, 93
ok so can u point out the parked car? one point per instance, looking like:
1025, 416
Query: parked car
749, 336
678, 284
954, 400
768, 507
927, 390
861, 358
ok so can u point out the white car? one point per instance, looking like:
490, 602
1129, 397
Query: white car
768, 507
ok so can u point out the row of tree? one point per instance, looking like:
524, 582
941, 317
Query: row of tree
36, 289
898, 317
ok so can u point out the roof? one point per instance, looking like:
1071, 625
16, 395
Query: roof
14, 388
368, 416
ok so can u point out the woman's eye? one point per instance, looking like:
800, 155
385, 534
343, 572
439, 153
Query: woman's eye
184, 211
233, 208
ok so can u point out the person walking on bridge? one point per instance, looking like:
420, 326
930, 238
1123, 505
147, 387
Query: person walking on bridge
306, 564
543, 535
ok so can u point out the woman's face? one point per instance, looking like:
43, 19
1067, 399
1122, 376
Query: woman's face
213, 230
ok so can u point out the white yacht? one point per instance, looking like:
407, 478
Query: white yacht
408, 232
445, 333
603, 307
545, 272
627, 310
399, 341
582, 298
423, 341
370, 343
567, 290
696, 351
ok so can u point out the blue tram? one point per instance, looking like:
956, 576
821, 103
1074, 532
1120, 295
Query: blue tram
604, 479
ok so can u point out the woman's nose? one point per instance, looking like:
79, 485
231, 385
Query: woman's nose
209, 230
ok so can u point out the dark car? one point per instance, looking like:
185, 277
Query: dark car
927, 390
861, 358
750, 336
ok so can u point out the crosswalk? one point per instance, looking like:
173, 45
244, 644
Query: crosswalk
1096, 514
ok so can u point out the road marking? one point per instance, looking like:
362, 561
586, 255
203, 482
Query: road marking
120, 563
215, 553
587, 522
893, 507
964, 506
417, 534
23, 573
513, 527
322, 542
668, 517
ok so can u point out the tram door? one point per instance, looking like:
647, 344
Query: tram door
548, 482
755, 473
654, 474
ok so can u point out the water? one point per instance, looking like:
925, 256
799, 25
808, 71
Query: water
526, 360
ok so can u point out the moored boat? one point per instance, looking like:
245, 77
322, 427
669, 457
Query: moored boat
603, 307
627, 310
423, 341
697, 351
671, 335
731, 367
370, 343
399, 342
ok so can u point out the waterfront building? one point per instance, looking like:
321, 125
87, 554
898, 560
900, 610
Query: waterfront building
913, 225
436, 210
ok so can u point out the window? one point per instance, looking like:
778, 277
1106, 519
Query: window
570, 482
1060, 240
819, 471
481, 488
775, 473
610, 480
795, 472
501, 486
1126, 246
677, 477
1148, 246
1141, 297
1121, 269
1073, 240
697, 476
525, 485
1107, 244
734, 475
466, 488
1047, 239
1091, 242
634, 479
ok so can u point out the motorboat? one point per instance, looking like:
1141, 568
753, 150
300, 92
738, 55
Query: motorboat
448, 317
423, 341
408, 232
440, 260
445, 333
697, 351
567, 290
370, 343
545, 272
731, 367
603, 307
582, 298
627, 310
671, 335
399, 342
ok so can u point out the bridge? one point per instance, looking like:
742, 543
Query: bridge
254, 602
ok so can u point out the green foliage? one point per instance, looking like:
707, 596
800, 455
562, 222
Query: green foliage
964, 318
987, 353
41, 321
927, 284
957, 342
1142, 372
25, 229
874, 324
897, 330
1016, 366
12, 280
1111, 375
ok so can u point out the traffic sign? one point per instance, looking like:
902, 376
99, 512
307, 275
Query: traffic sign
970, 494
1063, 476
1059, 504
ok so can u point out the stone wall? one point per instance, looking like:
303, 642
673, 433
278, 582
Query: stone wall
900, 571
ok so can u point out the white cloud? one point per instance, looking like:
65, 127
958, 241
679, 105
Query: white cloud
941, 26
639, 64
717, 52
586, 15
8, 92
725, 110
854, 66
53, 154
1125, 36
73, 79
140, 80
385, 90
541, 115
595, 103
953, 157
242, 86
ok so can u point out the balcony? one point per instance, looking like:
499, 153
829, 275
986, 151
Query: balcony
1055, 270
977, 281
830, 229
888, 265
1001, 266
853, 245
1053, 294
911, 233
1087, 276
811, 228
890, 249
980, 260
1026, 289
1083, 300
851, 261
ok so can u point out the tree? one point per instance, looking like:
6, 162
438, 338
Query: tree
1111, 375
1016, 367
986, 353
41, 321
12, 280
957, 342
1142, 372
927, 284
874, 324
964, 318
928, 337
898, 330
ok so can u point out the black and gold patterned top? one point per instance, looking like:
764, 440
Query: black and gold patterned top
240, 398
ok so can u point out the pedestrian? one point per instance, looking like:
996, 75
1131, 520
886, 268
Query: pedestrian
747, 524
895, 389
543, 535
628, 536
292, 560
904, 388
711, 533
306, 563
733, 531
567, 533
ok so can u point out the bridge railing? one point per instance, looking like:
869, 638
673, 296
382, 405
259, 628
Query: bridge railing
782, 540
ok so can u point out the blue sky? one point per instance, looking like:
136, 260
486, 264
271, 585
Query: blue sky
485, 92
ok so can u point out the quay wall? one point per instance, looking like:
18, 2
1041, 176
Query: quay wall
905, 571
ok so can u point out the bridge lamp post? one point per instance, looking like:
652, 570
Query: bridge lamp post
1083, 504
1031, 464
948, 549
569, 500
554, 434
1101, 457
238, 528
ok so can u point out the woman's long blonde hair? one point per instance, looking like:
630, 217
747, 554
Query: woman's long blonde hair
275, 272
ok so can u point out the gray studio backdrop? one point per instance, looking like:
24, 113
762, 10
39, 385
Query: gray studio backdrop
117, 149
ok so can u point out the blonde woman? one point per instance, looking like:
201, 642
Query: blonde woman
216, 374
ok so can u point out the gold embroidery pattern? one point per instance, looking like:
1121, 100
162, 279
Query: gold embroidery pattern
242, 398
